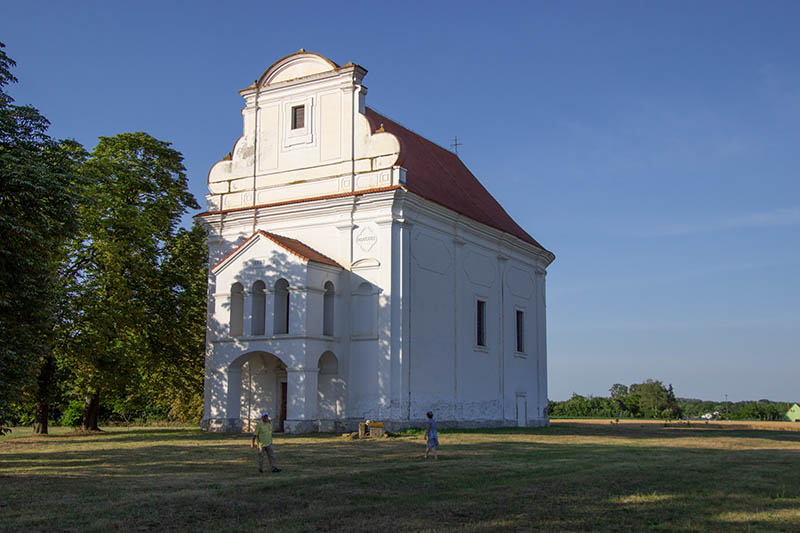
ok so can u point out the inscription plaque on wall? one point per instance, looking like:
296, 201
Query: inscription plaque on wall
366, 239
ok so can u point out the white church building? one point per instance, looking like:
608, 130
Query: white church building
360, 271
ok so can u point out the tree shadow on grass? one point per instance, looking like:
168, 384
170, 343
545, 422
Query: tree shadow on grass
336, 484
184, 478
136, 435
159, 435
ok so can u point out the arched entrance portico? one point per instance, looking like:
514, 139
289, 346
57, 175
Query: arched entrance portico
257, 383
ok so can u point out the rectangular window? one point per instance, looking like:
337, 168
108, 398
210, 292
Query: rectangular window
521, 331
481, 323
298, 117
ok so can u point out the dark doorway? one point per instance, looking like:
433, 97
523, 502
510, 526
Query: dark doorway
282, 418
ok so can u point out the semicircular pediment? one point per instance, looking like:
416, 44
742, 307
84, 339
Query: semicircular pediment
369, 262
297, 65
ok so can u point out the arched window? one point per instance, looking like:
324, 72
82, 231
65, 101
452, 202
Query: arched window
237, 309
327, 309
328, 364
259, 310
281, 306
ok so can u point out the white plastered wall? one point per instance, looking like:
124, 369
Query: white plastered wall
453, 264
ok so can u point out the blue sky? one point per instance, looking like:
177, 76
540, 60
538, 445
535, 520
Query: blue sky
654, 147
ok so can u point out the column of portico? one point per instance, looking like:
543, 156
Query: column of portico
247, 311
297, 315
233, 418
215, 395
220, 326
251, 296
269, 311
301, 398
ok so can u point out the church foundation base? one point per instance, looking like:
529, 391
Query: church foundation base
400, 425
300, 426
539, 423
236, 425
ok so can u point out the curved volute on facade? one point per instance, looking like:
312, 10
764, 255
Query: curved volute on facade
305, 135
375, 150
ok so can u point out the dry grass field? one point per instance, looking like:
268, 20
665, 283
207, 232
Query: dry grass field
575, 475
693, 424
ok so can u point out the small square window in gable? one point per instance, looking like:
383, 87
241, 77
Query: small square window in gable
298, 117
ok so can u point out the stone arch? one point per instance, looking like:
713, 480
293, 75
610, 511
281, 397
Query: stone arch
237, 310
331, 392
256, 383
328, 309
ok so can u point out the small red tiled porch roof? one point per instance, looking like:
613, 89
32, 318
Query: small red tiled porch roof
294, 246
438, 175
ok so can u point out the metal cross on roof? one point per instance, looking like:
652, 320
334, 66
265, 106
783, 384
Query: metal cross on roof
455, 144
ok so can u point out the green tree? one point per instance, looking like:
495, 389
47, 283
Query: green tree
576, 406
38, 195
174, 369
137, 191
761, 410
652, 400
618, 391
672, 409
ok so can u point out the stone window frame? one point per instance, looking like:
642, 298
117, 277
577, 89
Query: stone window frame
298, 136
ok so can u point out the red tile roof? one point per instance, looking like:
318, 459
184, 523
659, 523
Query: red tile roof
298, 248
438, 175
294, 246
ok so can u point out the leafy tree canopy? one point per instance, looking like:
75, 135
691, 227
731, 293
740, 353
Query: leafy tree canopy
136, 190
39, 192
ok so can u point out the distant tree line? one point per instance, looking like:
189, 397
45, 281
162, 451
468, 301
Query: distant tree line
745, 410
652, 399
102, 293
